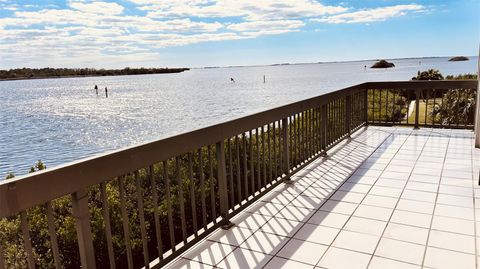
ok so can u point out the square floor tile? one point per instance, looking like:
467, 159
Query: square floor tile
419, 196
242, 258
335, 258
441, 258
183, 263
278, 262
411, 218
264, 208
234, 236
391, 183
386, 191
281, 226
295, 213
373, 212
351, 197
355, 187
265, 242
415, 206
317, 234
250, 221
421, 186
209, 252
401, 251
453, 225
356, 241
452, 241
363, 225
455, 190
383, 263
381, 201
329, 219
406, 233
454, 212
338, 207
303, 251
455, 200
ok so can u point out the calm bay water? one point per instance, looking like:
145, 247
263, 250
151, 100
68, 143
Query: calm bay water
62, 120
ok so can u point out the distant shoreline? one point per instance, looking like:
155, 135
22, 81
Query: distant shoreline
94, 73
327, 62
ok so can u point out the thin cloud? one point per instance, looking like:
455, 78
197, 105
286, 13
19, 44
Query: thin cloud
372, 15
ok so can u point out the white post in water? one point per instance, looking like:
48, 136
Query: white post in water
477, 110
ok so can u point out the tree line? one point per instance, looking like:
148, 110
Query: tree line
47, 72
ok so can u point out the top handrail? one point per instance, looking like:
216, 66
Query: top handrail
29, 190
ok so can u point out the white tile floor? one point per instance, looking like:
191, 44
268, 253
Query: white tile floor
388, 198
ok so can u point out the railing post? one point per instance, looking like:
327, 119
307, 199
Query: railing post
286, 149
323, 129
82, 225
417, 107
365, 106
222, 185
477, 109
348, 113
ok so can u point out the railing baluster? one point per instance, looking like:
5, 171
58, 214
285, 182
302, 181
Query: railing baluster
348, 112
417, 107
222, 184
53, 235
252, 168
82, 225
212, 185
193, 200
237, 162
108, 227
141, 215
156, 214
275, 157
126, 229
426, 107
297, 140
434, 115
259, 178
169, 205
269, 149
323, 128
202, 189
365, 106
245, 164
393, 105
230, 187
27, 240
181, 199
264, 159
286, 149
409, 95
2, 259
380, 106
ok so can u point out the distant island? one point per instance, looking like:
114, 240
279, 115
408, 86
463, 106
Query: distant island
382, 64
458, 59
37, 73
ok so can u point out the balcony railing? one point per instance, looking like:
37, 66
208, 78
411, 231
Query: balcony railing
143, 206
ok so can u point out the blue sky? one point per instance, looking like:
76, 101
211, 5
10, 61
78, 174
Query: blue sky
194, 33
